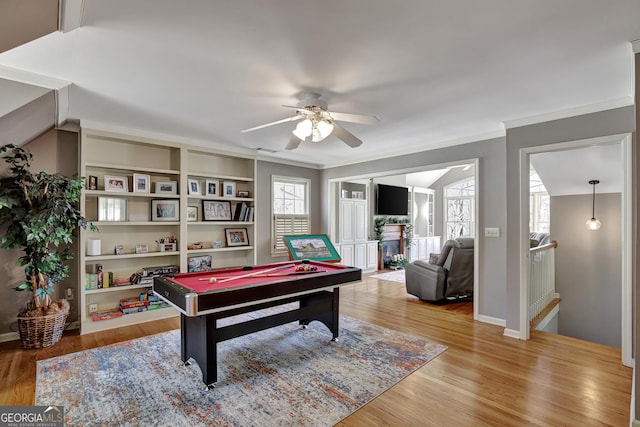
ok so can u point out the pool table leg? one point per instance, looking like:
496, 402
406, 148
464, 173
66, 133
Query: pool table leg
199, 342
330, 316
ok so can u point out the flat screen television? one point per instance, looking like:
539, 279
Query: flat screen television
392, 200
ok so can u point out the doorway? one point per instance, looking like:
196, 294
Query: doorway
598, 158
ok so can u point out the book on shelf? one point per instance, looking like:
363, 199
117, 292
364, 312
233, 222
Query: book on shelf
91, 281
133, 310
106, 314
133, 302
241, 211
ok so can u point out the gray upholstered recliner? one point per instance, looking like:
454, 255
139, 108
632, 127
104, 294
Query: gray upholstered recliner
451, 277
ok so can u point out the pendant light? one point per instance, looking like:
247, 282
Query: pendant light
593, 224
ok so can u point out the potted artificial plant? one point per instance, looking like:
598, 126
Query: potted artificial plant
41, 216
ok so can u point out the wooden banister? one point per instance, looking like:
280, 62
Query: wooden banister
553, 244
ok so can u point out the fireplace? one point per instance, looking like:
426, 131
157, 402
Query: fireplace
392, 244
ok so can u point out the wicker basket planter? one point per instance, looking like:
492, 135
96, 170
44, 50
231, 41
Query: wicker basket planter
41, 331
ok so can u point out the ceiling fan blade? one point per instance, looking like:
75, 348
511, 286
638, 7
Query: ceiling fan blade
348, 138
355, 118
288, 119
293, 143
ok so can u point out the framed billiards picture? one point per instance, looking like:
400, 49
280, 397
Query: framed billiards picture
315, 247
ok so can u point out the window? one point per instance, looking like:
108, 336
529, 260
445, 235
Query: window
539, 204
290, 209
459, 208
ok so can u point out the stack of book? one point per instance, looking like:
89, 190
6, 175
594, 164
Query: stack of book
133, 305
243, 213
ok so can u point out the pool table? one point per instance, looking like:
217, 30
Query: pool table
204, 297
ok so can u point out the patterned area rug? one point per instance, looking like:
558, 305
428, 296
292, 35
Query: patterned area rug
392, 276
282, 376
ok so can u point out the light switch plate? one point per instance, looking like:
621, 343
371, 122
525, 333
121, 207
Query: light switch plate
491, 232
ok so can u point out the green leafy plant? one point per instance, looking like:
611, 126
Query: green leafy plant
41, 215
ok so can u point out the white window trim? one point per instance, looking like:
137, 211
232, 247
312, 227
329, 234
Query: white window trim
294, 218
471, 198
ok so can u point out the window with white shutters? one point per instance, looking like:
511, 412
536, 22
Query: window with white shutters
290, 210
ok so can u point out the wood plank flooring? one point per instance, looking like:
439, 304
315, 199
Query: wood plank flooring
482, 379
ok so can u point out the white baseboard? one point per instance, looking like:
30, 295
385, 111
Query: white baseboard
511, 333
9, 336
492, 320
13, 336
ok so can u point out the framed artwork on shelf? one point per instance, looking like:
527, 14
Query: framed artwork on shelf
92, 182
212, 187
167, 187
229, 189
317, 247
165, 210
116, 183
199, 263
141, 183
194, 187
192, 213
244, 194
119, 250
112, 209
216, 210
142, 248
236, 236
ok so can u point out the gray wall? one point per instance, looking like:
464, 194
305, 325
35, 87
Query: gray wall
588, 267
263, 214
55, 151
492, 209
604, 123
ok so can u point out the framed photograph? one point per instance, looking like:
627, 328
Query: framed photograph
165, 210
92, 182
194, 187
316, 247
116, 183
243, 193
236, 236
167, 187
216, 210
212, 187
228, 189
142, 248
112, 209
199, 263
119, 250
192, 213
141, 183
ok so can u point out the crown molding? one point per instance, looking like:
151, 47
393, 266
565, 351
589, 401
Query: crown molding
570, 112
635, 46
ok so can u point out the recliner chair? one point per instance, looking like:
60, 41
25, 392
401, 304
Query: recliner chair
450, 278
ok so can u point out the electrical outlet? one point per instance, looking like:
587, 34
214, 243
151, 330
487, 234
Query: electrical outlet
68, 294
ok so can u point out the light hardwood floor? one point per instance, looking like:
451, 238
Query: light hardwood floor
482, 379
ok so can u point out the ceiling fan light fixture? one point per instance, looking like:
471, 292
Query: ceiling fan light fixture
325, 128
304, 129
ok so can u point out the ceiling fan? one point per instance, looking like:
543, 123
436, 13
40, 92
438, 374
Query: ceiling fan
317, 123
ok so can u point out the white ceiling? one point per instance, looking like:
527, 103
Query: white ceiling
435, 72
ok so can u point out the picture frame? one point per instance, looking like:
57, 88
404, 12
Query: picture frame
142, 248
112, 209
92, 182
236, 237
315, 247
199, 263
243, 194
228, 189
166, 187
118, 184
212, 187
165, 210
194, 187
192, 213
216, 210
141, 183
118, 250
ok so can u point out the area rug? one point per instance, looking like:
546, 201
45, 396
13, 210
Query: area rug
392, 276
281, 376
